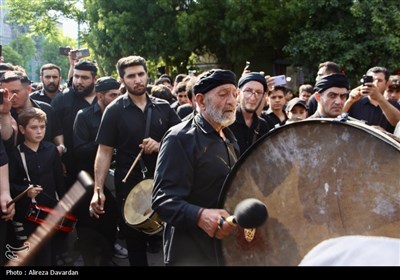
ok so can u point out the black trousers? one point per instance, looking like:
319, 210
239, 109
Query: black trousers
97, 236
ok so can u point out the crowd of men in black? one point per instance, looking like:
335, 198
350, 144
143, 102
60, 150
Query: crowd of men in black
187, 134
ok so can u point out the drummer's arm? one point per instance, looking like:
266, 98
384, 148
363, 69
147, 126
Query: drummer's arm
101, 166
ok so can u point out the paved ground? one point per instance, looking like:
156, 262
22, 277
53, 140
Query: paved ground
154, 259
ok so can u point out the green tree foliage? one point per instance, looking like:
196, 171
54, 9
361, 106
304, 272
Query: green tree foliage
50, 53
11, 56
42, 16
25, 47
141, 27
235, 30
355, 34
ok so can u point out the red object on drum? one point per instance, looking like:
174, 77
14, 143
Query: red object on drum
38, 214
320, 179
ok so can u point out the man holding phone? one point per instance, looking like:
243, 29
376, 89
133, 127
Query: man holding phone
367, 102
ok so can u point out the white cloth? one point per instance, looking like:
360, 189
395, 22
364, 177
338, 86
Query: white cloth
397, 130
355, 251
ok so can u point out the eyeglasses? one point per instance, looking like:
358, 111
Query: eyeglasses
248, 92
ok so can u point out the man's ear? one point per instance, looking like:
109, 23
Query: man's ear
21, 129
200, 97
317, 96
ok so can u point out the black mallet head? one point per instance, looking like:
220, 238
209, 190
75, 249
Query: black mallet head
250, 213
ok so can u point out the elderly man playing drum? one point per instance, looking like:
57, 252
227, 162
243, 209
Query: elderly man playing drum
194, 159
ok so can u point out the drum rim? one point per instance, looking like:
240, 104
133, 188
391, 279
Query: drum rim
160, 226
358, 125
228, 180
126, 199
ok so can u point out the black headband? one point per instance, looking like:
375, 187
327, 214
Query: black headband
106, 83
253, 76
333, 80
213, 79
86, 66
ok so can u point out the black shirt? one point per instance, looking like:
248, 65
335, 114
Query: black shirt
272, 119
3, 154
86, 126
192, 165
44, 168
123, 127
365, 111
40, 95
245, 135
66, 106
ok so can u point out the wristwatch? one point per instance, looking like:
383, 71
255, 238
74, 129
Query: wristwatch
64, 149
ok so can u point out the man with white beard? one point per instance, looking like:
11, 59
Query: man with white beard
194, 159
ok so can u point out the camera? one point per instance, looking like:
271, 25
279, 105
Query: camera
366, 79
78, 54
64, 51
280, 80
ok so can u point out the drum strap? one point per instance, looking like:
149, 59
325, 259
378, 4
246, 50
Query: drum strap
256, 132
146, 134
25, 167
23, 159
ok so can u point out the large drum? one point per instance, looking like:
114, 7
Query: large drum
319, 179
137, 210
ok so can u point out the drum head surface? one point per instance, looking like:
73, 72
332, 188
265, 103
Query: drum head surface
319, 179
137, 206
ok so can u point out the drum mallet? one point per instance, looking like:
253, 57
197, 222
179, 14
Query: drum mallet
249, 213
133, 165
19, 196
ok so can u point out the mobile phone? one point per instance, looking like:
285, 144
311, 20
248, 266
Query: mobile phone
1, 96
1, 50
78, 54
280, 80
366, 79
247, 65
64, 50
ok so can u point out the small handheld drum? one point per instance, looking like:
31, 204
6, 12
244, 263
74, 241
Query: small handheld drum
38, 213
137, 210
319, 179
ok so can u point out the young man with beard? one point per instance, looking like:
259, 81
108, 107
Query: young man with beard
67, 105
194, 160
50, 76
133, 123
248, 126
